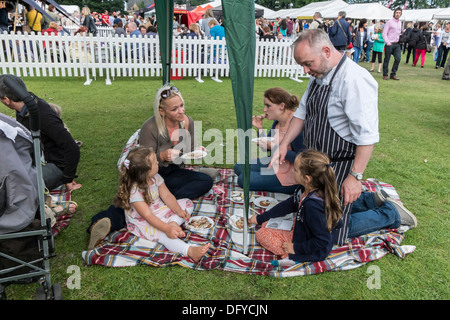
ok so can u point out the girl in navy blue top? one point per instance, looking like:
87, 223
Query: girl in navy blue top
317, 213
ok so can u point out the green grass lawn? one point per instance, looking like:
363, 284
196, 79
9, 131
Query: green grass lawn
412, 155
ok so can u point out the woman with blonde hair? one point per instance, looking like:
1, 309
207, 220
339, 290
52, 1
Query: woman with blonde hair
204, 22
88, 21
170, 133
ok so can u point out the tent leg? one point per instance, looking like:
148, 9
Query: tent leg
216, 79
88, 79
199, 79
296, 79
108, 79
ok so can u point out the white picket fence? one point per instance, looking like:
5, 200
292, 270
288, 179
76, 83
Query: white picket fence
38, 55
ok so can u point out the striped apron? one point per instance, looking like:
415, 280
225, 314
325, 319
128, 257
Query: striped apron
320, 136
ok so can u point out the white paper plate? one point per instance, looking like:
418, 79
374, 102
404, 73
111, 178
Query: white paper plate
192, 228
233, 223
237, 197
263, 139
194, 155
265, 202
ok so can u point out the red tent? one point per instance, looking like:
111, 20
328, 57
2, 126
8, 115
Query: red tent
196, 14
201, 10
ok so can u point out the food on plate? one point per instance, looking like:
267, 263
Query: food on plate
265, 203
194, 154
237, 196
201, 223
240, 223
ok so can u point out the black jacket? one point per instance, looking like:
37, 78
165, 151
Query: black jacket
58, 145
413, 37
424, 39
89, 23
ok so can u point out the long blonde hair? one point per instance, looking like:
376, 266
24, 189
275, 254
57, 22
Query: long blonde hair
134, 173
159, 103
85, 11
317, 165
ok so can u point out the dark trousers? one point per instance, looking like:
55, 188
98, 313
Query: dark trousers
413, 50
52, 175
395, 50
446, 74
185, 183
442, 56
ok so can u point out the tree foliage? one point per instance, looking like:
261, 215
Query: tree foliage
412, 4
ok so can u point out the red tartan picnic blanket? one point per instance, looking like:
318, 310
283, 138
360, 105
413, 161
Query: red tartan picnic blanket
59, 195
122, 249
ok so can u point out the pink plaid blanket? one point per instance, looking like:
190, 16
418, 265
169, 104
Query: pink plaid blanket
122, 249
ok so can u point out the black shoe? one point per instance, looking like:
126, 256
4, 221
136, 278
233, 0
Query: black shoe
445, 78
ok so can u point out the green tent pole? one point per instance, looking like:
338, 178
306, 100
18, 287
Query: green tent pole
164, 18
239, 22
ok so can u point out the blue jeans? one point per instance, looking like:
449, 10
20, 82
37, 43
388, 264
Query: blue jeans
263, 178
367, 217
441, 56
357, 54
396, 51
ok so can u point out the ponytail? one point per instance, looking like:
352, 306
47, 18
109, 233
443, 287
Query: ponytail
332, 202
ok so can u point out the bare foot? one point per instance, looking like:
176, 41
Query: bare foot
196, 253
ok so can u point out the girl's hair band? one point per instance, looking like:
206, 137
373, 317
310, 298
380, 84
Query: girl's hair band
126, 163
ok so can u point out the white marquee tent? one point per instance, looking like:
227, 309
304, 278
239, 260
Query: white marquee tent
420, 15
217, 3
369, 11
444, 14
330, 10
308, 11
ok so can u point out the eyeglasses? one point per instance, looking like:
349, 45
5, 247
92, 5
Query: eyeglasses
166, 93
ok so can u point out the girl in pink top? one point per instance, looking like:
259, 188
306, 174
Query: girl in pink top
151, 211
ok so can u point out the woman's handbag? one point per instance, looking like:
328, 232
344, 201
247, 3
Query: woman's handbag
429, 47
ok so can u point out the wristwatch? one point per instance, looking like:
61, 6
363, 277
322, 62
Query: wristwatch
358, 176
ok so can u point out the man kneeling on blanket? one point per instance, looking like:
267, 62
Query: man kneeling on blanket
318, 214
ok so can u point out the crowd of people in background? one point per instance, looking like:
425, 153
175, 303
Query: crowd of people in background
363, 40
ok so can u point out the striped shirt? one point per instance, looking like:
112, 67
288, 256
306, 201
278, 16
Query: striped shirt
353, 104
